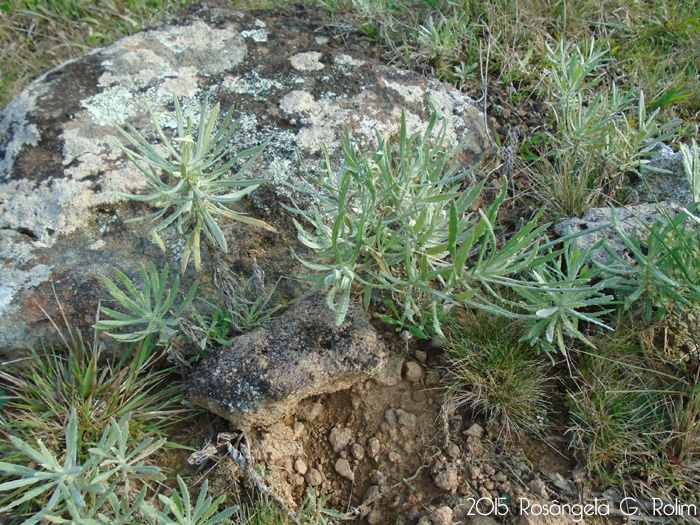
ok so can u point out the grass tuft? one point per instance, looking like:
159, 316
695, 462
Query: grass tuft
489, 369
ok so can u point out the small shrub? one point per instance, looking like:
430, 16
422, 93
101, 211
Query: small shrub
77, 487
599, 133
197, 187
399, 221
570, 291
150, 308
665, 266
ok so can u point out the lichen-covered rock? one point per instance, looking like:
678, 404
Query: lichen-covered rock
632, 218
265, 373
61, 222
665, 185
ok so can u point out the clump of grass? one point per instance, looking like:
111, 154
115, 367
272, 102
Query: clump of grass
635, 415
42, 392
262, 510
490, 369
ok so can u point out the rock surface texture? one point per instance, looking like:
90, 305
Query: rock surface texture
264, 374
669, 189
290, 81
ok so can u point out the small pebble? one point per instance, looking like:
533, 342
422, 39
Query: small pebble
300, 466
372, 493
374, 446
421, 356
312, 413
406, 419
375, 517
298, 429
377, 477
442, 516
453, 451
447, 480
499, 477
538, 487
342, 467
358, 451
391, 418
339, 438
475, 430
412, 371
313, 477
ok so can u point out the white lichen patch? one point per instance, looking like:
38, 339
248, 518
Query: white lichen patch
113, 106
13, 122
412, 94
138, 66
13, 280
252, 84
98, 245
348, 61
297, 101
309, 61
320, 120
256, 35
185, 84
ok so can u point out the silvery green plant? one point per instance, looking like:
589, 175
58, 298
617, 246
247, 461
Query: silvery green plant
120, 459
570, 290
198, 185
383, 219
67, 481
399, 221
150, 310
178, 509
600, 133
691, 166
79, 488
665, 265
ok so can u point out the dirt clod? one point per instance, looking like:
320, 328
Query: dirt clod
412, 371
375, 518
442, 516
339, 438
300, 466
314, 477
475, 431
342, 467
447, 480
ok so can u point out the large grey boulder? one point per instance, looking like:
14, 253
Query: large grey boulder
264, 375
61, 224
